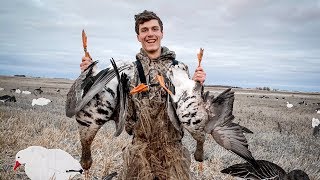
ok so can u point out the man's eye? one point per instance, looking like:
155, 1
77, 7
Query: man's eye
143, 30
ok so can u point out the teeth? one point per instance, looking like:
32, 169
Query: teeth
151, 41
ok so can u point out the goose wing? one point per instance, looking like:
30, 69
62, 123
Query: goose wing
78, 89
123, 91
226, 133
99, 84
87, 86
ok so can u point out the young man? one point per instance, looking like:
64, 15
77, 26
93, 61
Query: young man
156, 151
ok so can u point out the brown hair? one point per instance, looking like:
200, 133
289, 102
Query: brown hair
144, 17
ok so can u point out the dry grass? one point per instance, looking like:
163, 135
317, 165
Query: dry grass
294, 147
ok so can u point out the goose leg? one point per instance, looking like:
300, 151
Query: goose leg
200, 55
198, 154
87, 133
140, 88
162, 84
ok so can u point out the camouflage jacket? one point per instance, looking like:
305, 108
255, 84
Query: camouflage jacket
148, 118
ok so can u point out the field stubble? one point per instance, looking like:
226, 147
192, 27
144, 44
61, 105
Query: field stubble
281, 135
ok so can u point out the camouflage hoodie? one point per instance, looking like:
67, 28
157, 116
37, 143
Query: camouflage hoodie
156, 151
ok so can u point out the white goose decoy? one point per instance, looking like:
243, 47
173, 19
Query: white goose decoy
26, 92
267, 170
315, 122
316, 126
40, 101
289, 105
17, 90
45, 164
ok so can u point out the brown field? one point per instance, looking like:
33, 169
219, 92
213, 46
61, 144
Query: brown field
281, 135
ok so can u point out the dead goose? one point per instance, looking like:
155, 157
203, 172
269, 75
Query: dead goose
94, 100
268, 170
200, 114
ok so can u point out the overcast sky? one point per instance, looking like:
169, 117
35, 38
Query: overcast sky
247, 43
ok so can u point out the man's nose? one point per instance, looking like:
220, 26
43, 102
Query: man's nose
150, 33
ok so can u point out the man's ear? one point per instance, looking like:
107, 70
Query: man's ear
138, 38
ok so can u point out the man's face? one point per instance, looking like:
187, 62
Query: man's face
150, 36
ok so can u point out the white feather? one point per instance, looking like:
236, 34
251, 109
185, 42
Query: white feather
180, 79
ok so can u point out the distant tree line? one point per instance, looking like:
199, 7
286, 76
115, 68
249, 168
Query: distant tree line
266, 89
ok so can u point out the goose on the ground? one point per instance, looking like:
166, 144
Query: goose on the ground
18, 91
40, 101
26, 92
7, 98
43, 164
289, 105
315, 122
38, 91
316, 126
267, 170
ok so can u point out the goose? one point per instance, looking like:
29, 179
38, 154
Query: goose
40, 101
96, 99
18, 91
37, 91
26, 92
7, 98
289, 105
267, 170
41, 163
316, 126
203, 113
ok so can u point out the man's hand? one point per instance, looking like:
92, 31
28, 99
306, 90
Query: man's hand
86, 61
199, 75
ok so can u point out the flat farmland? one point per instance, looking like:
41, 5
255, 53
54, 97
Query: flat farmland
281, 135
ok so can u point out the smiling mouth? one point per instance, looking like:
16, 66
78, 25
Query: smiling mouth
151, 41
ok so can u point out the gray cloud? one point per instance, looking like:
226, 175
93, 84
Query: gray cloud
247, 43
